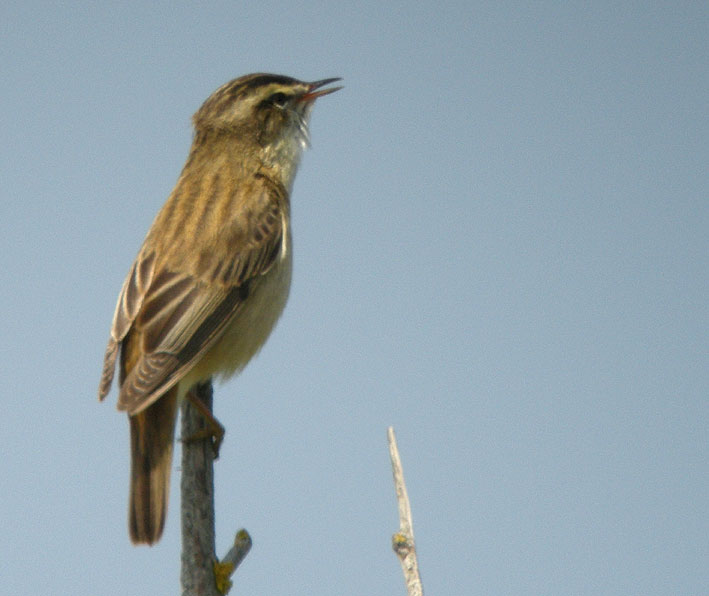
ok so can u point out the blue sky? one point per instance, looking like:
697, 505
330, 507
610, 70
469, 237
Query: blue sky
500, 240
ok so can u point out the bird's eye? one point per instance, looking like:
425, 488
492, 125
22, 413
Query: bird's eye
278, 99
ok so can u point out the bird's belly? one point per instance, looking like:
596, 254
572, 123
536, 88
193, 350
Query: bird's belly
249, 329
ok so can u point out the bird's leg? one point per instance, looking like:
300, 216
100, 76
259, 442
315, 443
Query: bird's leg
213, 430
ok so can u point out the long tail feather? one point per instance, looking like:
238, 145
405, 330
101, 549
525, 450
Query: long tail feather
152, 434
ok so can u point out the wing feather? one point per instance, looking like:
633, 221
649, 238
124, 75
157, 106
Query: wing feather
129, 303
175, 316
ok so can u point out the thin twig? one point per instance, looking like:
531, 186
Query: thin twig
403, 541
197, 492
202, 574
224, 569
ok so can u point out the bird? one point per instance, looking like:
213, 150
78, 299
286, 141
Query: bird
213, 274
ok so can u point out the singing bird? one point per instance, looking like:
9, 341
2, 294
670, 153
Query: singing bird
213, 274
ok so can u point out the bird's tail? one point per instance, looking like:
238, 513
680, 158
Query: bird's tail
152, 434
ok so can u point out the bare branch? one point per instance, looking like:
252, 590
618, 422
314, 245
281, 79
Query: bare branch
403, 541
197, 491
202, 574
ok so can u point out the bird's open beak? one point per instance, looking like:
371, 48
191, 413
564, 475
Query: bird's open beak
313, 93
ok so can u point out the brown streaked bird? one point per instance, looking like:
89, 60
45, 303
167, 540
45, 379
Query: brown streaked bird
213, 274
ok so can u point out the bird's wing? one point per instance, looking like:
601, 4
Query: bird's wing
167, 319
